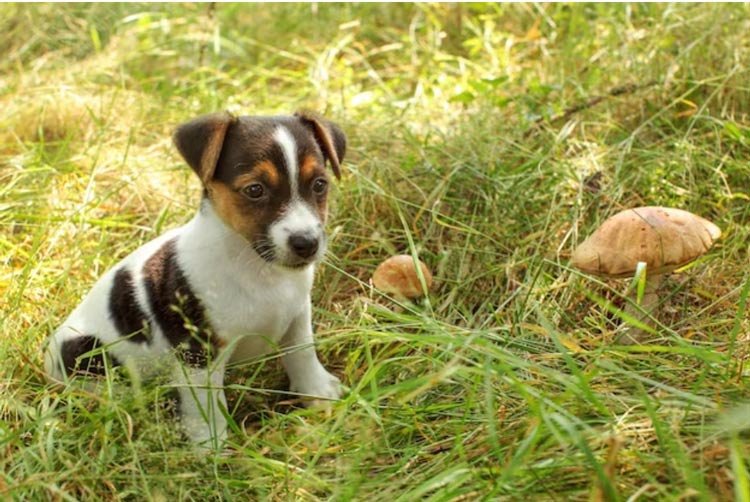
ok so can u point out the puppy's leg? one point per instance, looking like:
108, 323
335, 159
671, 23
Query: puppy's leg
307, 376
202, 404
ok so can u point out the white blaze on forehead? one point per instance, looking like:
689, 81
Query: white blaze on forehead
297, 217
289, 148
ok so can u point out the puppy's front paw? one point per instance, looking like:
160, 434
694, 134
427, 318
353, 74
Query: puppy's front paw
319, 388
203, 437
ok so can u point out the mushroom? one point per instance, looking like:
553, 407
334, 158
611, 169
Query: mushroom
398, 276
662, 238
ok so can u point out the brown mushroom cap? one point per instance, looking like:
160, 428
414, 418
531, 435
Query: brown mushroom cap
662, 237
398, 276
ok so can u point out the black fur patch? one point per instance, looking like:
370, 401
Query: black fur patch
77, 360
125, 311
178, 312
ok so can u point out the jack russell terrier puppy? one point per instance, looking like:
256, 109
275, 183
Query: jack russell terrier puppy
232, 284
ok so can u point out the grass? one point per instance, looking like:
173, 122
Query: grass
490, 140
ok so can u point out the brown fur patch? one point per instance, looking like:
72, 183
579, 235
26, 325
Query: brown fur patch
310, 168
249, 219
263, 171
227, 205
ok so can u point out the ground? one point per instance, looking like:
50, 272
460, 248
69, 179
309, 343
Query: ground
487, 139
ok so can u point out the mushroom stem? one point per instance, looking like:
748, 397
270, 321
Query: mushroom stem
634, 335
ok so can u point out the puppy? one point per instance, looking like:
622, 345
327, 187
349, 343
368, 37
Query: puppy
232, 284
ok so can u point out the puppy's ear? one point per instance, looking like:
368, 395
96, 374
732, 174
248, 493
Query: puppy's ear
200, 141
329, 136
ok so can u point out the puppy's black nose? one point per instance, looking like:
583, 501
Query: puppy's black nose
303, 245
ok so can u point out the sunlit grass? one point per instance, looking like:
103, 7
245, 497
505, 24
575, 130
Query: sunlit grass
490, 140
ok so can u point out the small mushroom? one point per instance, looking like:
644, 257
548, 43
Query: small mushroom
398, 276
660, 237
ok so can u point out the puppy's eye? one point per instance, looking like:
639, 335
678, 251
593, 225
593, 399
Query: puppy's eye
320, 186
254, 191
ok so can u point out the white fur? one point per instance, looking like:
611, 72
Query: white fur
298, 217
253, 305
289, 148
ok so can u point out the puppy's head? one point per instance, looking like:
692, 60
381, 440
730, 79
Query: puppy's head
266, 178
